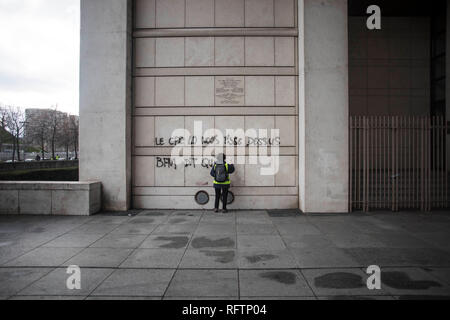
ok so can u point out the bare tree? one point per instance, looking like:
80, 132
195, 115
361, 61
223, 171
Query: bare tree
37, 130
15, 123
65, 135
3, 117
54, 128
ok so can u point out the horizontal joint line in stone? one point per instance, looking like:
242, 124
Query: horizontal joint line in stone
216, 71
215, 32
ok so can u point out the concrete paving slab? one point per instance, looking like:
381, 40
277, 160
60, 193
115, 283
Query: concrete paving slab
33, 298
333, 227
424, 225
33, 239
443, 274
121, 298
370, 226
400, 240
325, 257
95, 228
119, 241
108, 219
266, 259
156, 213
412, 281
256, 219
99, 257
213, 242
209, 259
213, 217
148, 219
215, 228
135, 283
340, 298
340, 282
187, 213
44, 257
399, 256
358, 240
422, 297
54, 283
297, 229
252, 213
334, 242
439, 240
175, 229
183, 220
51, 229
74, 240
269, 242
273, 283
169, 241
153, 258
277, 298
200, 298
10, 252
256, 229
12, 280
308, 241
135, 228
204, 283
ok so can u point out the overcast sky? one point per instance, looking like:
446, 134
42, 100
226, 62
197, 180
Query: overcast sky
39, 53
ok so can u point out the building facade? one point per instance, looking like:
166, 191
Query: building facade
295, 69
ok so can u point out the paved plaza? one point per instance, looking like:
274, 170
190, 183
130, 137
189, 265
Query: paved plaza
239, 255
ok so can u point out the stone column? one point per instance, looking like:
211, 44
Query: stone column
447, 82
323, 106
105, 99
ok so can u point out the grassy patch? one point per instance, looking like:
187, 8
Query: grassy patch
60, 174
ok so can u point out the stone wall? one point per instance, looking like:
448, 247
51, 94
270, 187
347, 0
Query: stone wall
50, 198
187, 54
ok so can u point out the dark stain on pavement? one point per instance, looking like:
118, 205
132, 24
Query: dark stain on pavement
401, 280
174, 242
260, 257
221, 256
155, 214
38, 230
422, 297
339, 280
142, 220
284, 277
177, 220
182, 214
204, 242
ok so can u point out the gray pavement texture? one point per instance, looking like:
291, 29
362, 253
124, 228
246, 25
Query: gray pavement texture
194, 254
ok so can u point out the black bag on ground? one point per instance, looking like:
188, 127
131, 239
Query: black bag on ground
221, 173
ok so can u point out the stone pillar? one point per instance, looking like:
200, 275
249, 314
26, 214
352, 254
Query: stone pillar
447, 82
323, 106
105, 98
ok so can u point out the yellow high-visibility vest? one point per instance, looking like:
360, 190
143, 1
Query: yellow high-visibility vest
226, 182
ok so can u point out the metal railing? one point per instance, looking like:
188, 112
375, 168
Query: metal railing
398, 163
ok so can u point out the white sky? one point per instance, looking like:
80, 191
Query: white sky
39, 53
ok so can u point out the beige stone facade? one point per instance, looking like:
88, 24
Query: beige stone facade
181, 76
149, 67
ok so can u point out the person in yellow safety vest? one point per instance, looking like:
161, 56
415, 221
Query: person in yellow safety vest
221, 173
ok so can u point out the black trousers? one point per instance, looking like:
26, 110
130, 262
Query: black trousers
221, 191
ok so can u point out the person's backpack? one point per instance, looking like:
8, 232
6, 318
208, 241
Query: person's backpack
221, 173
